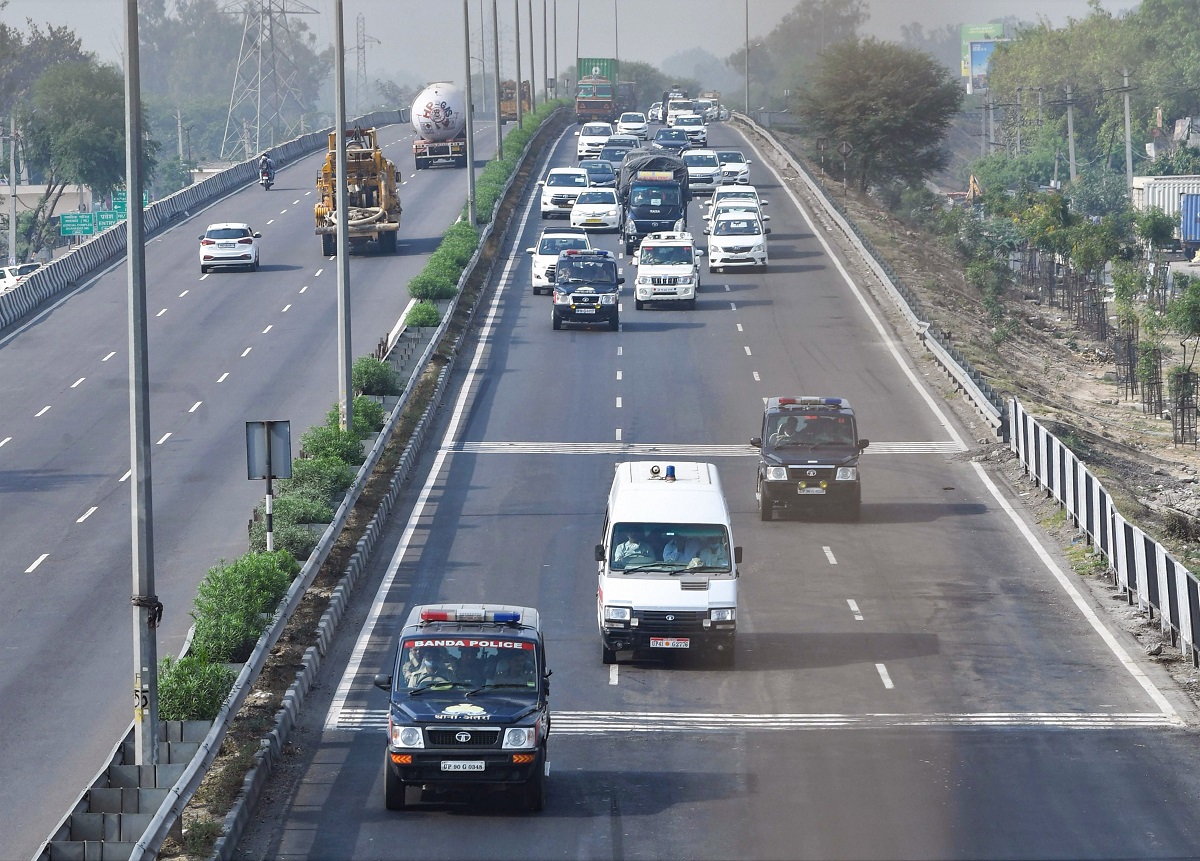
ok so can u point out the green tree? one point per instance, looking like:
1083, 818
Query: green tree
1183, 317
74, 134
891, 103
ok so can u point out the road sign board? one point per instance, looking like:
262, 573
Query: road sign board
120, 202
106, 218
845, 148
76, 224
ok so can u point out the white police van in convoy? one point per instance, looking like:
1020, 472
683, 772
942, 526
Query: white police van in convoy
668, 567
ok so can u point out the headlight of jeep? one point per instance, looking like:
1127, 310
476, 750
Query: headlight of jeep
608, 298
520, 737
847, 473
776, 473
643, 279
724, 614
684, 279
405, 736
616, 614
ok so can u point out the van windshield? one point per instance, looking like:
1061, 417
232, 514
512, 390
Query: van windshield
677, 548
655, 195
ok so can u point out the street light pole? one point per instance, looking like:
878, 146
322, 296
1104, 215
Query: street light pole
517, 45
470, 119
483, 59
12, 188
545, 38
532, 63
341, 212
747, 57
556, 49
496, 75
147, 611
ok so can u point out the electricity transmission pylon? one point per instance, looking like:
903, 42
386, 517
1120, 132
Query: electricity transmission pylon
265, 106
360, 48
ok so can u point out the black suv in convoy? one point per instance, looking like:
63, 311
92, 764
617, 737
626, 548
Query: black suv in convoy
469, 703
809, 457
586, 289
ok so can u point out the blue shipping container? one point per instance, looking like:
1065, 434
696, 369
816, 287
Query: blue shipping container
1189, 219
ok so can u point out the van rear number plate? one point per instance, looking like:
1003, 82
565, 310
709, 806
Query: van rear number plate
807, 490
463, 765
670, 643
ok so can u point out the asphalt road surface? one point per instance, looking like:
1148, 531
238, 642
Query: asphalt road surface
224, 349
923, 684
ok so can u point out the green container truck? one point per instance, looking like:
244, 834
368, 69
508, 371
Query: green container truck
595, 94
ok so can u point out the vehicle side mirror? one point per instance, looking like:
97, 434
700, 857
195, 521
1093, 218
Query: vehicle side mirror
620, 279
530, 250
258, 236
707, 231
863, 443
749, 162
766, 230
383, 681
576, 134
599, 553
541, 182
766, 218
756, 441
699, 252
737, 555
764, 203
201, 237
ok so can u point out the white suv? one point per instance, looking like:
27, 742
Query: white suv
545, 253
560, 188
737, 239
668, 269
592, 137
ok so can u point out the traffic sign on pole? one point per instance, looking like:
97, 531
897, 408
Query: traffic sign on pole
76, 224
106, 218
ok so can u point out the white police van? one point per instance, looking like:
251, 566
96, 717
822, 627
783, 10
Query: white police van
668, 567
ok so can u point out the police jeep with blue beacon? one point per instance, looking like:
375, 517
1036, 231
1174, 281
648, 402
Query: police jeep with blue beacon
469, 703
587, 288
809, 453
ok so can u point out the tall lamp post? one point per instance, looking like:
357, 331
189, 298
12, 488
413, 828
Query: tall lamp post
747, 57
517, 45
496, 76
470, 119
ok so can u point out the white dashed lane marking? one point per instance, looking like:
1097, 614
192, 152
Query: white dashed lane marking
165, 437
858, 616
829, 555
87, 514
77, 382
36, 563
41, 412
195, 406
109, 356
223, 377
883, 674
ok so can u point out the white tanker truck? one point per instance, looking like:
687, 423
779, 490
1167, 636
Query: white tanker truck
439, 117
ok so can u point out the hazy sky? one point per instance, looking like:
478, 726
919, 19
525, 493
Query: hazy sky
420, 35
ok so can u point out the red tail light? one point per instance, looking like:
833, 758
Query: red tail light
246, 241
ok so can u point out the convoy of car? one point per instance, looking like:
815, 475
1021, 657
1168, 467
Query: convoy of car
667, 563
11, 276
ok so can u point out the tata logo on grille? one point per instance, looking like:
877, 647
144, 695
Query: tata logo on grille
670, 618
462, 737
811, 472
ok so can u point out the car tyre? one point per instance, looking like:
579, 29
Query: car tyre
387, 243
394, 790
766, 511
615, 323
609, 655
725, 658
639, 304
535, 788
690, 304
556, 322
203, 269
328, 245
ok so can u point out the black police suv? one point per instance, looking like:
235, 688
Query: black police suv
809, 452
586, 289
469, 703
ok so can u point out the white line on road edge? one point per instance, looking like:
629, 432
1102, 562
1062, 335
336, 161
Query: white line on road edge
36, 563
87, 514
922, 390
456, 419
883, 674
829, 555
1084, 607
858, 616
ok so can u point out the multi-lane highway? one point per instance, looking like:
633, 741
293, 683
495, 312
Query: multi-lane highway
223, 349
923, 684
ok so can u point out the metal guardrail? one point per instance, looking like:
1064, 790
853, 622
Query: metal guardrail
80, 262
989, 403
1144, 570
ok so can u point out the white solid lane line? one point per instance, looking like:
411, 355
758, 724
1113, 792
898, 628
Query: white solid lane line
829, 555
36, 563
858, 616
883, 674
87, 514
77, 382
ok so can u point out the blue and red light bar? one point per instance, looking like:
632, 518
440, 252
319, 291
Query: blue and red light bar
465, 615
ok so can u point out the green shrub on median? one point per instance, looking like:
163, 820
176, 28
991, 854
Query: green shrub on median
234, 604
371, 376
423, 314
191, 688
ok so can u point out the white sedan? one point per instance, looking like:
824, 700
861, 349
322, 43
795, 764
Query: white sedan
229, 244
633, 123
596, 209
